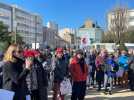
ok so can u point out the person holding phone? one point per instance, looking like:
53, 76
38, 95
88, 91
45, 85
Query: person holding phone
37, 81
14, 73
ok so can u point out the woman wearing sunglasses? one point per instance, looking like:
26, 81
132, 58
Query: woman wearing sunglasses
14, 73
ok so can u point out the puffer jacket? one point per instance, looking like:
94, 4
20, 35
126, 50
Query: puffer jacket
123, 61
76, 72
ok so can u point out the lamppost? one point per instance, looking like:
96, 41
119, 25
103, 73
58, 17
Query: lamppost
35, 31
15, 33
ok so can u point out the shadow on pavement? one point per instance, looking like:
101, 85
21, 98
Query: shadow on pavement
112, 98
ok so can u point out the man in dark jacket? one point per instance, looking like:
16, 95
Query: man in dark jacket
131, 71
60, 71
92, 57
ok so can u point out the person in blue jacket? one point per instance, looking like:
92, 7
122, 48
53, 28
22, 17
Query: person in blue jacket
123, 63
111, 67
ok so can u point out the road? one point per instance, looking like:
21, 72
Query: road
92, 94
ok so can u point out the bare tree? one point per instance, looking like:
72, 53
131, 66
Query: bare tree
119, 22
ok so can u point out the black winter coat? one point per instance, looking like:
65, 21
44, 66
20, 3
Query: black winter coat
14, 79
61, 70
131, 68
38, 81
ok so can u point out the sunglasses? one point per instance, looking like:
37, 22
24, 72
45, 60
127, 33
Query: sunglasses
19, 51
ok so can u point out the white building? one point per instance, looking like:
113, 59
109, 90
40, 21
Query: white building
28, 25
6, 15
52, 25
89, 33
129, 16
51, 38
68, 35
64, 31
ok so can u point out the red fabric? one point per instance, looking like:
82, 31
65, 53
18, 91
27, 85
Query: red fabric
59, 50
36, 52
28, 53
77, 74
99, 61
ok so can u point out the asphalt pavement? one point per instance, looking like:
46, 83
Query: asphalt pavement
92, 94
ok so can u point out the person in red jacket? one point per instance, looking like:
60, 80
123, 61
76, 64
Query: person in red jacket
79, 73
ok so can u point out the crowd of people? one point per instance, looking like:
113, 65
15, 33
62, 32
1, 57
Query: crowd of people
31, 72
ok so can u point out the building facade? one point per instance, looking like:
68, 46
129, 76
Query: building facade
6, 15
52, 39
52, 25
49, 37
68, 35
129, 19
89, 33
28, 25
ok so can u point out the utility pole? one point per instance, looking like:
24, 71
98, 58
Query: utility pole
75, 38
15, 37
35, 31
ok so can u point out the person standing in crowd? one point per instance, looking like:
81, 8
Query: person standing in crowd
92, 57
79, 73
66, 55
14, 75
110, 70
100, 63
37, 79
131, 70
60, 72
123, 65
1, 64
116, 56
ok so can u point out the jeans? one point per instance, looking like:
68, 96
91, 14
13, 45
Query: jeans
78, 90
56, 92
99, 78
106, 79
35, 95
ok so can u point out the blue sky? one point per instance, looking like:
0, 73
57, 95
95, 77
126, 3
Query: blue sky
71, 13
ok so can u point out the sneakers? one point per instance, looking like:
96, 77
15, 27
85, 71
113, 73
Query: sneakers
110, 92
106, 92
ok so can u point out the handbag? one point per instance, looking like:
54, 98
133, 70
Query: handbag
65, 87
6, 95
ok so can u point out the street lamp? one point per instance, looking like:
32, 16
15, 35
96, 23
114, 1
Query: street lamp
15, 33
35, 31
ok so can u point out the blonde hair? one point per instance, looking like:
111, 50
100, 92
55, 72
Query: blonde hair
8, 56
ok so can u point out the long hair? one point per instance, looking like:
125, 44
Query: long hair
8, 56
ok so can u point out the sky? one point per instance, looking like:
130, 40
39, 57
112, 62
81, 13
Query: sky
71, 13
